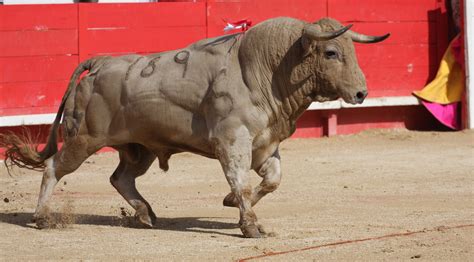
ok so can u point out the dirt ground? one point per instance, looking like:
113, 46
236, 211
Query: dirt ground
378, 195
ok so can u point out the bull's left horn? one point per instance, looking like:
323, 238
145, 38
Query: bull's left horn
313, 31
367, 39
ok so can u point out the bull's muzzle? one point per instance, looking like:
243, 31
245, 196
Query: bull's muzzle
360, 96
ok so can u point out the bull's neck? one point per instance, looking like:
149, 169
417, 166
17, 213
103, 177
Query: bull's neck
294, 101
291, 99
270, 55
289, 90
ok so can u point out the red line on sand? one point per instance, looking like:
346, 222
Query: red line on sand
439, 228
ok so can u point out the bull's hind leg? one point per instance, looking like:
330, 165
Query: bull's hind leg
135, 160
271, 174
65, 161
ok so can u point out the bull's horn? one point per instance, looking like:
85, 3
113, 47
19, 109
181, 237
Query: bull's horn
367, 39
314, 32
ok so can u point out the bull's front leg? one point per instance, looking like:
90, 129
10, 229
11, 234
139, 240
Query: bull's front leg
270, 172
234, 151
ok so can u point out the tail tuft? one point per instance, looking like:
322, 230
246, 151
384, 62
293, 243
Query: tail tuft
21, 151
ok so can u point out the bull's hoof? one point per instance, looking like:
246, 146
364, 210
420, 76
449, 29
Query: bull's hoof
144, 220
230, 200
144, 215
251, 231
262, 230
255, 231
43, 219
42, 222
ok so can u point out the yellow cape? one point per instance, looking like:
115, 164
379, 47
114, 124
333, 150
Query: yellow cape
448, 85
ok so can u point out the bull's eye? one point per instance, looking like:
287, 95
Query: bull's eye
330, 54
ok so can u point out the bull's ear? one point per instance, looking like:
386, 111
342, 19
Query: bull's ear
308, 46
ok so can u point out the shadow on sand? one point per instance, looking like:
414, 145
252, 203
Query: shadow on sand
183, 224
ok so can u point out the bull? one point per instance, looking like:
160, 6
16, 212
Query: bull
232, 98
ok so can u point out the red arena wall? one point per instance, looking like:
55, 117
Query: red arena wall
42, 44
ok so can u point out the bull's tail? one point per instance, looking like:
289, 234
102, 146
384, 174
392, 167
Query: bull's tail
21, 151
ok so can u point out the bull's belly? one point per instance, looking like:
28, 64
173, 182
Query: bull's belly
162, 126
170, 129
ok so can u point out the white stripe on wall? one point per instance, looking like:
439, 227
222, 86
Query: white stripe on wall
27, 120
369, 102
42, 119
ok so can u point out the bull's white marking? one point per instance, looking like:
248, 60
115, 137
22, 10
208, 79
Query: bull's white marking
50, 167
47, 185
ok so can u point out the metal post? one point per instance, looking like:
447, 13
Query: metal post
469, 54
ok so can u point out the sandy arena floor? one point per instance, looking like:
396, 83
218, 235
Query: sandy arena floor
379, 195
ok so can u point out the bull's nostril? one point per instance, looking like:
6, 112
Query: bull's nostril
360, 96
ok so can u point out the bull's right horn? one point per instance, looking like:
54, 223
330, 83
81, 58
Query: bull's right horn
367, 39
314, 32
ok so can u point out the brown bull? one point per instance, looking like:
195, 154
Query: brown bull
233, 98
